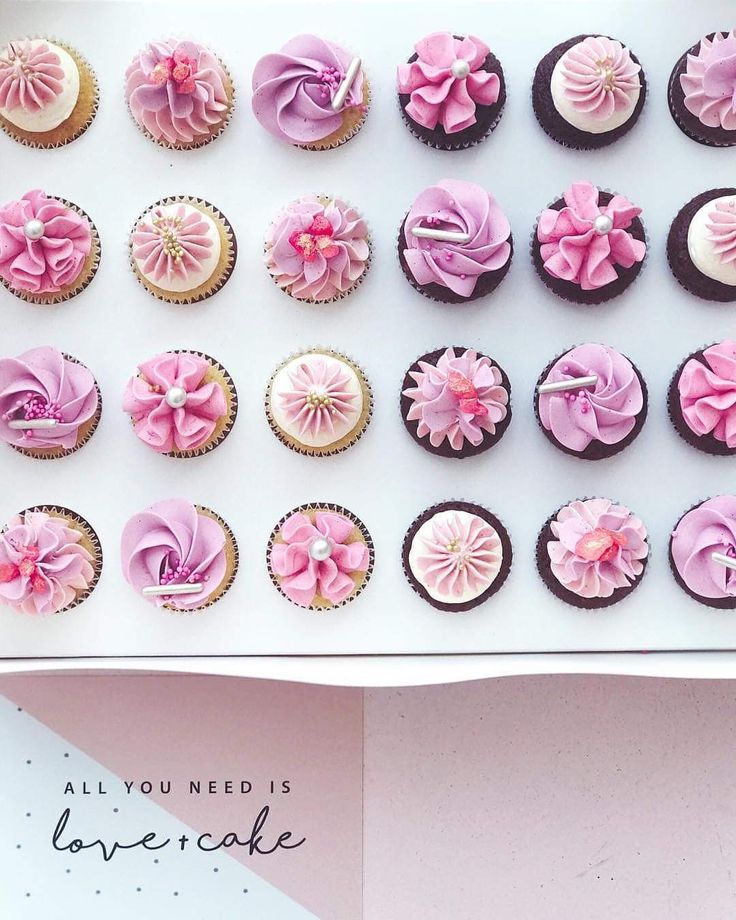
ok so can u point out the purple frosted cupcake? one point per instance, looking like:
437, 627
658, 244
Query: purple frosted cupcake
703, 552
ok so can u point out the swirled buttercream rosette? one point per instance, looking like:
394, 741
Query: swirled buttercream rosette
702, 552
48, 92
456, 555
320, 556
182, 250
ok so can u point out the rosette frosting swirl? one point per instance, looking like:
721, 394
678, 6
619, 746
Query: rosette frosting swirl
43, 567
176, 90
458, 207
172, 403
303, 572
457, 399
447, 82
317, 249
39, 84
45, 263
172, 543
707, 391
709, 81
583, 242
709, 528
605, 411
598, 547
721, 226
43, 384
293, 89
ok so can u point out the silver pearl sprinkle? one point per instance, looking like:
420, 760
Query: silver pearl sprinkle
176, 397
460, 69
320, 549
603, 224
34, 228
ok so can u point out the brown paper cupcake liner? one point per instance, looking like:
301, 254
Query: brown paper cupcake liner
353, 121
349, 439
90, 541
89, 268
84, 433
224, 268
507, 556
714, 603
359, 534
80, 118
690, 124
706, 443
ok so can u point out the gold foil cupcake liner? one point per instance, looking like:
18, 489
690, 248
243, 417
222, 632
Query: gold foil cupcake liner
347, 440
224, 268
359, 534
81, 116
89, 268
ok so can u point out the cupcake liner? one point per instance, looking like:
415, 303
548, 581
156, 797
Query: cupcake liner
715, 603
353, 121
596, 450
89, 269
471, 508
555, 587
324, 200
84, 433
90, 541
550, 120
707, 443
223, 269
471, 136
81, 117
360, 533
485, 285
573, 293
344, 443
681, 265
444, 450
216, 374
688, 123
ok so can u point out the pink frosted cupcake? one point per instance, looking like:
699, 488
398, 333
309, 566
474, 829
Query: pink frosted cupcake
50, 404
50, 560
703, 552
49, 248
179, 93
701, 90
318, 249
182, 403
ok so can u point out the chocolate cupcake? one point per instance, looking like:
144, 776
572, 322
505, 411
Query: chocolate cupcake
592, 553
703, 552
320, 556
588, 92
451, 91
702, 399
456, 402
50, 560
455, 243
701, 245
701, 90
456, 555
604, 232
50, 404
591, 402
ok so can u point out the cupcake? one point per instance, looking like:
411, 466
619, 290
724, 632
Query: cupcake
455, 243
318, 249
592, 553
318, 402
703, 552
181, 403
701, 90
179, 93
50, 403
589, 245
49, 248
182, 249
320, 556
588, 91
50, 560
701, 245
702, 399
312, 93
456, 555
591, 401
48, 92
178, 555
456, 402
451, 91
